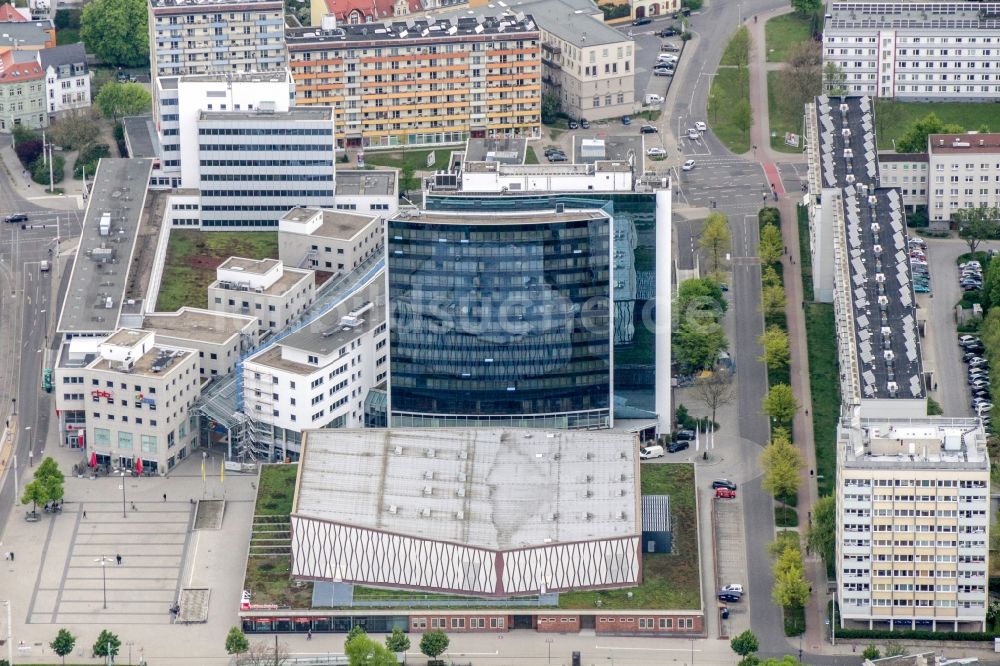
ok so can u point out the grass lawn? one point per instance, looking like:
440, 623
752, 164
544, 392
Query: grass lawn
738, 49
652, 115
804, 254
785, 516
783, 31
824, 381
276, 490
893, 119
795, 620
530, 157
408, 162
729, 87
193, 256
67, 36
781, 118
669, 581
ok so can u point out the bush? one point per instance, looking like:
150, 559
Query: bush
22, 133
693, 5
40, 170
89, 157
119, 133
28, 151
916, 635
616, 11
68, 18
918, 218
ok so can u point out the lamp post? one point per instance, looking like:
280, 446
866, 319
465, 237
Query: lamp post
549, 641
103, 559
124, 515
10, 634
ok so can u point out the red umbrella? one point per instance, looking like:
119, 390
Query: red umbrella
93, 458
138, 466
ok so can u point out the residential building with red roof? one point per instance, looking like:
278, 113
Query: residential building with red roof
356, 12
22, 91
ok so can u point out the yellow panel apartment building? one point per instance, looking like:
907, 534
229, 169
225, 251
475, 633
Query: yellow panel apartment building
421, 82
913, 523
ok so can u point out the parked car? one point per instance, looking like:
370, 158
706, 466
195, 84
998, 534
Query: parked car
573, 124
645, 20
725, 493
729, 596
967, 339
733, 587
647, 452
669, 31
626, 120
723, 483
663, 71
675, 447
648, 129
688, 165
685, 435
668, 47
584, 123
700, 126
558, 157
656, 152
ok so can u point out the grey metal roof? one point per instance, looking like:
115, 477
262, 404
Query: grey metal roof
927, 16
656, 513
496, 488
68, 54
27, 33
616, 148
140, 135
504, 150
364, 181
884, 310
97, 284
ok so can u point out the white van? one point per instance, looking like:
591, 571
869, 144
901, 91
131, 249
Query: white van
653, 99
647, 452
43, 266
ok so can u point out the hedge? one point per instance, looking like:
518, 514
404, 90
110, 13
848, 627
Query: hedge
917, 635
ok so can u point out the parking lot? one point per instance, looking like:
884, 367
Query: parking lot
731, 565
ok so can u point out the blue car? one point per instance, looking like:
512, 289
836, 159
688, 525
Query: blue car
626, 120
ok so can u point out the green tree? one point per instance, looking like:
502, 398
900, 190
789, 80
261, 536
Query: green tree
787, 660
696, 345
117, 100
36, 492
834, 80
807, 7
915, 138
772, 299
774, 341
356, 630
107, 644
434, 643
780, 404
397, 641
977, 224
715, 239
802, 77
700, 295
771, 246
791, 589
75, 130
48, 469
782, 463
871, 652
745, 644
551, 106
991, 285
823, 529
363, 651
115, 31
63, 643
236, 641
743, 115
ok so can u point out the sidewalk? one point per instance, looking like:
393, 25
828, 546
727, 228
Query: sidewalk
35, 193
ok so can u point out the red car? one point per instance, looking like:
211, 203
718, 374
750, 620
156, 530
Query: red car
725, 493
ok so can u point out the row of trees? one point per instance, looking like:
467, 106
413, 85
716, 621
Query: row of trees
107, 644
361, 650
791, 589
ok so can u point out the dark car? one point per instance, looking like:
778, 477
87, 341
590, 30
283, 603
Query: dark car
584, 123
669, 32
626, 120
674, 447
684, 435
723, 483
648, 129
558, 157
642, 21
16, 217
729, 596
686, 11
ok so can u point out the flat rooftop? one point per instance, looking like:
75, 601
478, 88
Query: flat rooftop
157, 362
336, 224
25, 33
963, 144
928, 443
297, 113
97, 284
496, 488
884, 313
127, 337
290, 277
616, 149
197, 324
929, 16
546, 169
412, 30
505, 150
140, 133
244, 265
357, 181
498, 218
190, 5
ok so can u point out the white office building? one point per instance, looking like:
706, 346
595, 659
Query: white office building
262, 288
965, 169
915, 50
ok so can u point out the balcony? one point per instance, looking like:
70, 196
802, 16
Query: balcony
552, 48
551, 64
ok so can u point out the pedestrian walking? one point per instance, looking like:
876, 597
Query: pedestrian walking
133, 507
164, 497
118, 557
85, 515
11, 556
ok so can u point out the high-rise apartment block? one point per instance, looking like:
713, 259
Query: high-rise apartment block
915, 50
913, 524
215, 36
964, 170
421, 81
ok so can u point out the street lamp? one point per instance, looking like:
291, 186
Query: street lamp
103, 559
124, 515
10, 634
549, 641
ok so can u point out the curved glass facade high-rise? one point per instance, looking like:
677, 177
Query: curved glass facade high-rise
500, 318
